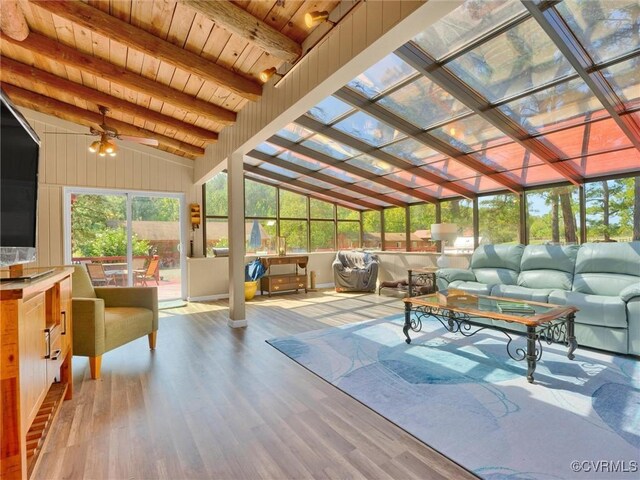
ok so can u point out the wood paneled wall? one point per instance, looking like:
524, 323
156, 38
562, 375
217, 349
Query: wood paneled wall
365, 36
66, 161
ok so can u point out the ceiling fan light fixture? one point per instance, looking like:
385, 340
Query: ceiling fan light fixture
314, 18
110, 147
103, 150
265, 75
95, 146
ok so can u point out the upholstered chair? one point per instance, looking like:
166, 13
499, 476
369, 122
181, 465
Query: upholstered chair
355, 271
105, 318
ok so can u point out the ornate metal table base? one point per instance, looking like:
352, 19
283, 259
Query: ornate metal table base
560, 330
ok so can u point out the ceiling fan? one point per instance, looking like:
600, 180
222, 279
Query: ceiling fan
105, 145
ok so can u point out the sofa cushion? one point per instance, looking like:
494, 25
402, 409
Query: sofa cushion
548, 266
472, 287
123, 324
521, 293
606, 268
496, 276
599, 310
497, 256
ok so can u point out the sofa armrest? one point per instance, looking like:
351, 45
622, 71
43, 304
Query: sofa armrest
142, 297
337, 265
88, 326
631, 291
451, 274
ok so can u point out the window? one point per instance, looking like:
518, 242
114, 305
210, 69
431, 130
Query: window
460, 212
295, 233
320, 209
322, 236
260, 236
552, 216
395, 228
610, 210
217, 234
499, 219
292, 205
371, 229
259, 199
345, 213
421, 218
348, 235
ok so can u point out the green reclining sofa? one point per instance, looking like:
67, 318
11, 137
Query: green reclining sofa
601, 279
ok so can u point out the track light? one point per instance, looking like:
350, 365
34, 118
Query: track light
312, 19
94, 147
265, 75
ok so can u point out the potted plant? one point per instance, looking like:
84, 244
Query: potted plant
253, 271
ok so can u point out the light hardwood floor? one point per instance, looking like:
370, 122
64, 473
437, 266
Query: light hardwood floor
216, 402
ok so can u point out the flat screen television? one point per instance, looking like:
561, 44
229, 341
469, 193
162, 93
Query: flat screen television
19, 148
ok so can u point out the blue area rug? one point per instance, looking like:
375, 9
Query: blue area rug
467, 399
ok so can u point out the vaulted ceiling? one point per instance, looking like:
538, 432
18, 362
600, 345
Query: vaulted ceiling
173, 71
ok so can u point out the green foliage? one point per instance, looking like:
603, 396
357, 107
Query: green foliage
459, 212
320, 209
609, 209
259, 199
395, 220
112, 243
322, 235
499, 218
292, 205
216, 196
295, 232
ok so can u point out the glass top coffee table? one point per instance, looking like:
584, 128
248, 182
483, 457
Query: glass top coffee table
456, 311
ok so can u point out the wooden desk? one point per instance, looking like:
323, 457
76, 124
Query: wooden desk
278, 282
35, 366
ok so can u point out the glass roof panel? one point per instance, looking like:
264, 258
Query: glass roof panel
269, 148
408, 179
279, 170
423, 103
301, 160
341, 174
470, 134
608, 163
329, 109
601, 136
450, 169
537, 175
481, 184
318, 183
563, 105
438, 191
465, 24
385, 74
606, 28
412, 151
376, 187
518, 60
249, 160
368, 129
372, 164
321, 143
624, 79
405, 197
294, 132
351, 193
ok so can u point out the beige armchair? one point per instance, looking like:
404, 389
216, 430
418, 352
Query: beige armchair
105, 318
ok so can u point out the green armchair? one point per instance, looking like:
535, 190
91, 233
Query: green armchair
105, 318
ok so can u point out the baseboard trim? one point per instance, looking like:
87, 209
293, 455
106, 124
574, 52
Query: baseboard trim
236, 323
326, 285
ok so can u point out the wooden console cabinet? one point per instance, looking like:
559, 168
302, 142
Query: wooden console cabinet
35, 366
278, 282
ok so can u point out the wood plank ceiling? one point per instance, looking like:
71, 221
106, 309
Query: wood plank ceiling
174, 71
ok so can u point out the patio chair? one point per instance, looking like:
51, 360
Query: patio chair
151, 272
98, 276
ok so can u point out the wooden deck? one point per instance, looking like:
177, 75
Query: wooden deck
214, 402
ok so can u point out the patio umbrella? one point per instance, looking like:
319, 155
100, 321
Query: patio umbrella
255, 240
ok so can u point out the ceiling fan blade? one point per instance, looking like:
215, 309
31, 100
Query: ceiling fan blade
152, 142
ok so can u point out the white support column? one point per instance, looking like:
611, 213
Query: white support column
235, 174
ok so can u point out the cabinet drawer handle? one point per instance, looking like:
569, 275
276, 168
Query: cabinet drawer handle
55, 355
64, 323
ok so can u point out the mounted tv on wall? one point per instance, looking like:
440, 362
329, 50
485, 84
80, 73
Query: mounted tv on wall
19, 148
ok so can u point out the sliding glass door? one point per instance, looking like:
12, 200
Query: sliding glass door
127, 238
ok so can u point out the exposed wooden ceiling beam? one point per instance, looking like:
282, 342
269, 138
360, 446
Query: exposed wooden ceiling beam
342, 165
311, 188
74, 114
240, 22
12, 72
385, 116
323, 177
138, 39
39, 44
12, 21
543, 149
363, 147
